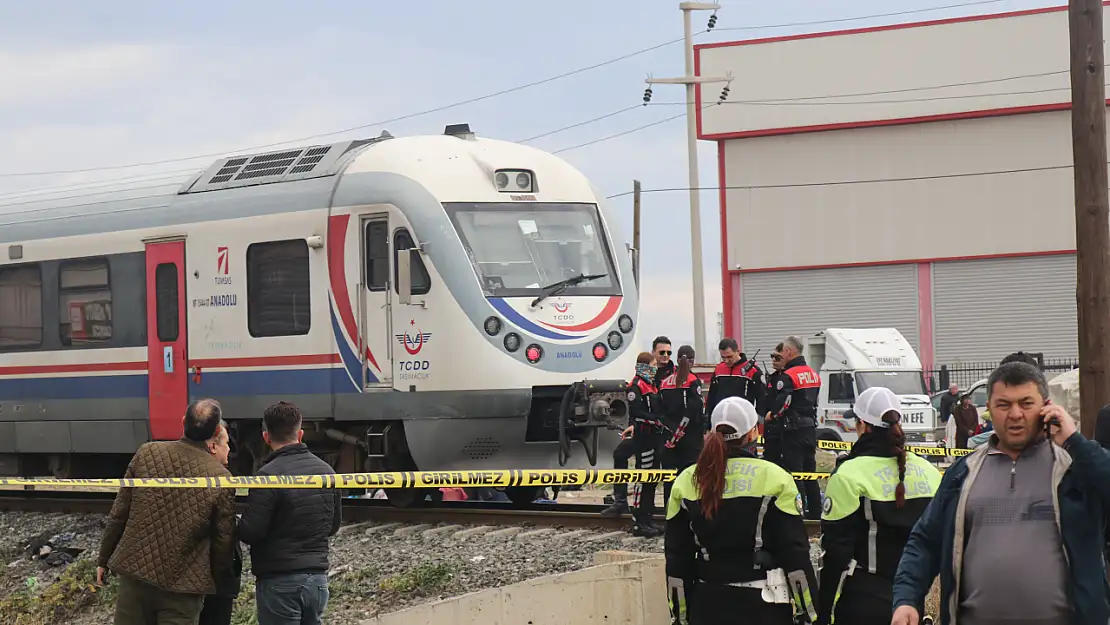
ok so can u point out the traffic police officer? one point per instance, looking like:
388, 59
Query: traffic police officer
680, 394
793, 418
873, 500
736, 547
734, 376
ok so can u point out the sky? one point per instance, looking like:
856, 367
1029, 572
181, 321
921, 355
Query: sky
95, 85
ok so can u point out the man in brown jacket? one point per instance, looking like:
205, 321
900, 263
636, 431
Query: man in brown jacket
170, 545
967, 421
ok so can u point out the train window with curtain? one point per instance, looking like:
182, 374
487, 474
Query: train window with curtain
85, 297
20, 307
167, 302
377, 255
421, 281
278, 296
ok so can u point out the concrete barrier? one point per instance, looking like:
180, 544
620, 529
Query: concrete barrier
621, 588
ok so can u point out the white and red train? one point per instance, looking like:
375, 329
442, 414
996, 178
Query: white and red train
430, 302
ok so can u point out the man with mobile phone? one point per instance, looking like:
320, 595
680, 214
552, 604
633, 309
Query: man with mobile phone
1015, 529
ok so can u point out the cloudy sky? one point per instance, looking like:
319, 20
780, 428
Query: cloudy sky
101, 84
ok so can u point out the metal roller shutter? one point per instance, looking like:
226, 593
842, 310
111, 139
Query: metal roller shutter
777, 304
986, 309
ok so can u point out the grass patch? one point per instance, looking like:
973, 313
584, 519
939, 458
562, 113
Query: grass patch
358, 583
244, 612
423, 579
73, 592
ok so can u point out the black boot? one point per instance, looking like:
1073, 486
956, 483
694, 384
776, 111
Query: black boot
616, 509
644, 527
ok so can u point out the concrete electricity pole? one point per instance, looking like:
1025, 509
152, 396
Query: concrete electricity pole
636, 233
1092, 218
692, 145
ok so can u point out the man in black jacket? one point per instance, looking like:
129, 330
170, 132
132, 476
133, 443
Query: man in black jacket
288, 528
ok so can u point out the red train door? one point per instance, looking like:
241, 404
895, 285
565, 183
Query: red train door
167, 361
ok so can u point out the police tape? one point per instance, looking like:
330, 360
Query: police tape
920, 450
405, 479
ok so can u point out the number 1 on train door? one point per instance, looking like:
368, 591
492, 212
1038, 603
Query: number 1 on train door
168, 369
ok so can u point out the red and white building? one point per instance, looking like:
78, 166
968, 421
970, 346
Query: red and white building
915, 176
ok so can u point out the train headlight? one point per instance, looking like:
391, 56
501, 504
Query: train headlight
493, 326
625, 323
533, 353
515, 181
600, 352
512, 341
615, 340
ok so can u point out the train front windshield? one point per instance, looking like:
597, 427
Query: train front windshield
517, 249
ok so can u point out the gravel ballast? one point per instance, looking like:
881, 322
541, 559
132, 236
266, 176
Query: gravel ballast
375, 568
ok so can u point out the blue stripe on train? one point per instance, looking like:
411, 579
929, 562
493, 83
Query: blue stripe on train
212, 383
84, 387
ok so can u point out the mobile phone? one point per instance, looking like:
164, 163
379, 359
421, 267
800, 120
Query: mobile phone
1048, 423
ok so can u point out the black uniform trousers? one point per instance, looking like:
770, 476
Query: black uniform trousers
647, 443
621, 455
798, 454
710, 604
865, 600
684, 454
217, 610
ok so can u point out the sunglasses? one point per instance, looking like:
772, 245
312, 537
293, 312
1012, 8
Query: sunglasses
666, 353
776, 356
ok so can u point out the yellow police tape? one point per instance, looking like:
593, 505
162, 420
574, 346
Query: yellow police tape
431, 479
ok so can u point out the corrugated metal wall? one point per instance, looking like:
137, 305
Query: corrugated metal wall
776, 304
986, 309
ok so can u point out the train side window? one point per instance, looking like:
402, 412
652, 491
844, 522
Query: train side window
421, 281
377, 255
20, 307
278, 295
166, 298
85, 296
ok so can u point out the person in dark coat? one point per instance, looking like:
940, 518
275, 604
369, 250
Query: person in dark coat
967, 421
219, 607
288, 528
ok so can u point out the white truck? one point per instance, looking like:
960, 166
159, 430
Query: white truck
851, 360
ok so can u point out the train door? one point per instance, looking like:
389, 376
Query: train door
165, 313
375, 300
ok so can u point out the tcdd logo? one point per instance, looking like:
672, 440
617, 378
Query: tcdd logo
414, 343
415, 365
561, 307
222, 261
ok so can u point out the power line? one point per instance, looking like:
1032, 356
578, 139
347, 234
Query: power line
579, 124
361, 126
99, 184
620, 134
835, 183
854, 102
841, 20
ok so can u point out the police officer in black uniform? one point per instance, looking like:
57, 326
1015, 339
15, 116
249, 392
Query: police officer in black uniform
645, 414
772, 430
680, 394
794, 408
734, 376
664, 364
736, 547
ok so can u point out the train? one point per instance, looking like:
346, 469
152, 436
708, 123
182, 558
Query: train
429, 302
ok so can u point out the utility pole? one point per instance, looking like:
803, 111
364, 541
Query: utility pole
636, 233
692, 146
1092, 217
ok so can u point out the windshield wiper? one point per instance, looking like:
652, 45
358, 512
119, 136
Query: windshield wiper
562, 285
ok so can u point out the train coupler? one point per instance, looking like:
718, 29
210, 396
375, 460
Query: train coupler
587, 407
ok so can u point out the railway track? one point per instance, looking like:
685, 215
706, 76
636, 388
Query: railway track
367, 510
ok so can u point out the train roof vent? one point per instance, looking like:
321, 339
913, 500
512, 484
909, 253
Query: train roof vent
287, 165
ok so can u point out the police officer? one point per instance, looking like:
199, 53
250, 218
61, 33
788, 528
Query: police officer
792, 417
734, 376
873, 500
680, 394
664, 366
772, 431
646, 429
736, 547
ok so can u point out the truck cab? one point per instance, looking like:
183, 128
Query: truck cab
852, 360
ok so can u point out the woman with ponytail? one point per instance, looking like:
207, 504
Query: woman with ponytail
680, 394
736, 546
872, 501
